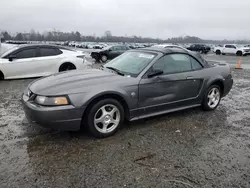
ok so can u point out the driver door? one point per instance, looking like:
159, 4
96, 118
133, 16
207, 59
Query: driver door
115, 51
176, 87
24, 63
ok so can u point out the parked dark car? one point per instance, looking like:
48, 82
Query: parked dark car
199, 48
109, 52
139, 84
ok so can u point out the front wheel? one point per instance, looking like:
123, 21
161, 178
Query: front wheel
104, 118
239, 53
212, 98
218, 52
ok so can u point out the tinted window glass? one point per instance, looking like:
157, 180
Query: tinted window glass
27, 53
123, 47
49, 52
195, 64
115, 48
227, 46
173, 63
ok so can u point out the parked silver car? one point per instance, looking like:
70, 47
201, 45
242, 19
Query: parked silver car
138, 84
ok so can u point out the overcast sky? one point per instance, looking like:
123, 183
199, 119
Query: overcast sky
208, 19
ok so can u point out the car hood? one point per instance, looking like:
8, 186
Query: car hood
245, 48
74, 82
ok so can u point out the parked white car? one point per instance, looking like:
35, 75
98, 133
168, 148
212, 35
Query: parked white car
232, 49
35, 60
169, 46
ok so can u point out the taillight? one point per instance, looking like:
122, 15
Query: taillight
82, 57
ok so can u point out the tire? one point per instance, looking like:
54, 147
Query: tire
1, 76
67, 67
239, 53
207, 103
104, 58
218, 52
102, 126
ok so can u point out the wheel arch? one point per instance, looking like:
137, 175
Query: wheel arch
66, 62
1, 75
218, 82
113, 95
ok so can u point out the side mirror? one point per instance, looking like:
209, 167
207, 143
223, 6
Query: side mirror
11, 57
155, 72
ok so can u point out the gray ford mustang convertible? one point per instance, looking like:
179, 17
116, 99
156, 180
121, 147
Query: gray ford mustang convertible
138, 84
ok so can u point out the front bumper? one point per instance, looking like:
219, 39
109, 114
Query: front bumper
95, 56
67, 118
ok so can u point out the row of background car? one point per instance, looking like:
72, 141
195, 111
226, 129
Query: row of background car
203, 48
85, 45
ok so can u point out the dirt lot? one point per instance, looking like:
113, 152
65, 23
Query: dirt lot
191, 148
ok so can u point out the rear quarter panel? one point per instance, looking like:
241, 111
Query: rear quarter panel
213, 74
70, 56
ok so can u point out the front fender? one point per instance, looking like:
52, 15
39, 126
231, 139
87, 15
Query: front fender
92, 96
131, 100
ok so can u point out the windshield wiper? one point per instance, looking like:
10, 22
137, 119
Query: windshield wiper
116, 70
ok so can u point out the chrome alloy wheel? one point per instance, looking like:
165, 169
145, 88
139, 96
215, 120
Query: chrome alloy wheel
213, 97
107, 118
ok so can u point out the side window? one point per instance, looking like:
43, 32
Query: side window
123, 47
49, 52
119, 47
174, 63
195, 64
227, 46
115, 48
26, 53
232, 46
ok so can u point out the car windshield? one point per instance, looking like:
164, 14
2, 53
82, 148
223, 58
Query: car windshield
131, 63
9, 51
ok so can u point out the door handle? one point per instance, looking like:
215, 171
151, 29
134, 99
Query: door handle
190, 77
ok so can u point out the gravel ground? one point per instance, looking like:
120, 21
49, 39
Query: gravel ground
185, 149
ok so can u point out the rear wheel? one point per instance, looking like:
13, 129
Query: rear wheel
104, 58
67, 67
212, 98
218, 52
1, 76
104, 118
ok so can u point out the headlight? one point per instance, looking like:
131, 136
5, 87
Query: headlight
51, 101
